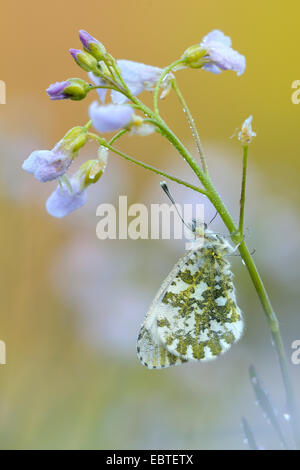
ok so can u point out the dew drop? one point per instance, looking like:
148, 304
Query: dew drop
287, 416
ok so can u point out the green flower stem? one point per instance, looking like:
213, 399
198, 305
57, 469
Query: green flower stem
119, 76
117, 136
192, 125
112, 84
155, 170
243, 191
107, 87
165, 71
87, 126
144, 165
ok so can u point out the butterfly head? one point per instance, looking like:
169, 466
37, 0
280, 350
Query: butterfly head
205, 238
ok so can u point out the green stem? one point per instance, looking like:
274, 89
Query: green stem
145, 165
243, 191
110, 81
107, 87
117, 136
119, 75
192, 125
165, 71
87, 125
155, 170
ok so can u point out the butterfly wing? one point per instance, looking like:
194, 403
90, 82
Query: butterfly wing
198, 317
194, 315
150, 351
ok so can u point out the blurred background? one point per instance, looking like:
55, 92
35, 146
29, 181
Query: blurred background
71, 305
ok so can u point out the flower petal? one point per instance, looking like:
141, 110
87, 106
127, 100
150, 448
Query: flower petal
226, 58
61, 202
47, 165
212, 68
138, 74
220, 54
110, 117
138, 77
216, 36
56, 90
98, 81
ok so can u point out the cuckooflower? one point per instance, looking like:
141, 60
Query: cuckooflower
73, 88
220, 54
110, 117
137, 76
65, 200
47, 165
214, 54
71, 194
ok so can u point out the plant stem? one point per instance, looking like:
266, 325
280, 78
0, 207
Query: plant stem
153, 169
243, 191
165, 71
192, 125
117, 136
144, 165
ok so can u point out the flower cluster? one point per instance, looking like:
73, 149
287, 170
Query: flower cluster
118, 84
215, 54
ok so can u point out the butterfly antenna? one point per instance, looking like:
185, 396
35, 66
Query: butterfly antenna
213, 218
165, 188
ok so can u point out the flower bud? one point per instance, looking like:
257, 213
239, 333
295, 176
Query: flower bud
92, 45
73, 88
85, 60
47, 165
246, 133
74, 139
193, 56
92, 170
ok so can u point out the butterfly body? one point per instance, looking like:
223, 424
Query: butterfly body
194, 316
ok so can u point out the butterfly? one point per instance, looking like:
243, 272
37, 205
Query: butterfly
194, 316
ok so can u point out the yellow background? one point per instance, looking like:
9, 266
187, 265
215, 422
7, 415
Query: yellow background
70, 304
